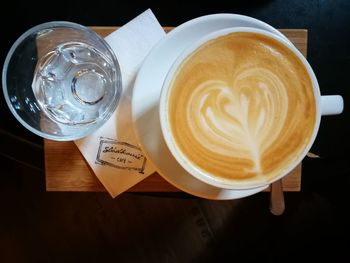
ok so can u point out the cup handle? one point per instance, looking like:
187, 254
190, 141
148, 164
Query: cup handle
331, 105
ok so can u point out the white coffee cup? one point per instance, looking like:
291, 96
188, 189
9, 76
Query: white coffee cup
324, 105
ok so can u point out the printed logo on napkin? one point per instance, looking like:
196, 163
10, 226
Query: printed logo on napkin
121, 155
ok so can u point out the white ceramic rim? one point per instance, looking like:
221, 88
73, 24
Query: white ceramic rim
53, 24
244, 18
175, 151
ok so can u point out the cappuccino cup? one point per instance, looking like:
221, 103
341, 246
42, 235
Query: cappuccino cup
241, 107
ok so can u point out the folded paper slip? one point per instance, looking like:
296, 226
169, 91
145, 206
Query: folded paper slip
113, 151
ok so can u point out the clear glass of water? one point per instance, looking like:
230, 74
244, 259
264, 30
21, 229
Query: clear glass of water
61, 80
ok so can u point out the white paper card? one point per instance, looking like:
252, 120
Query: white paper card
113, 151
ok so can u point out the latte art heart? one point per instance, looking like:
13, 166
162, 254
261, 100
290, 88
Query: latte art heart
240, 108
238, 122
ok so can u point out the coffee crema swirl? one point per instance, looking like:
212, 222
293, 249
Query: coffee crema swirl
242, 108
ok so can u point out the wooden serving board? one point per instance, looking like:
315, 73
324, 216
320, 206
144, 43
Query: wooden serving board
67, 170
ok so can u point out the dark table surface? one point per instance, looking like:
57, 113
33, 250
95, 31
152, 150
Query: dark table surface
328, 24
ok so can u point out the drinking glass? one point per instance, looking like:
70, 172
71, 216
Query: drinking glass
61, 80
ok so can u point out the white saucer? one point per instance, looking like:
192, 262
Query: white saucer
146, 95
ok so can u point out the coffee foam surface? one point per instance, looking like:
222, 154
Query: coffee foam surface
242, 108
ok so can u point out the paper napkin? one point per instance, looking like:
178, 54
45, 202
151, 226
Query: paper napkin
113, 151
